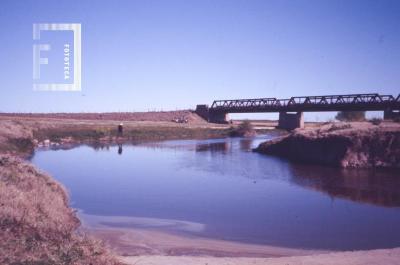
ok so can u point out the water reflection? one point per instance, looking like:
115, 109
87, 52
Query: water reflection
246, 144
235, 194
215, 147
380, 187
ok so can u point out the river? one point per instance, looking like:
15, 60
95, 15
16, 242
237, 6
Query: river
220, 189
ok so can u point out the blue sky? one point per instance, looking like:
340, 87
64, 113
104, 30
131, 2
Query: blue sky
166, 55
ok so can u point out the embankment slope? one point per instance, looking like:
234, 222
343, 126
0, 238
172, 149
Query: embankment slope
355, 145
37, 226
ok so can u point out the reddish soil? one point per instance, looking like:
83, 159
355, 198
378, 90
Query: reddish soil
355, 145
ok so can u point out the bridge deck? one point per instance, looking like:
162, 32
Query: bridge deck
351, 102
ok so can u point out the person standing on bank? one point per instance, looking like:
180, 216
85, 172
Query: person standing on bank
120, 129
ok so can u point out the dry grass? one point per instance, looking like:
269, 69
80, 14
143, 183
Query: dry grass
36, 224
158, 116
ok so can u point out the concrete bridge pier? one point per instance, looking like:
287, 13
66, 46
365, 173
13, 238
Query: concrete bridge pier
391, 114
290, 121
218, 117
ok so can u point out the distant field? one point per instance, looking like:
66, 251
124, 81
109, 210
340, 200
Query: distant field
123, 116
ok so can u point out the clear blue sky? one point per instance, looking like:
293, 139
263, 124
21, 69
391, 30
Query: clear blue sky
146, 55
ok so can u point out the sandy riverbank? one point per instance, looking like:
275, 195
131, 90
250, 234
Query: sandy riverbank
132, 236
150, 246
371, 257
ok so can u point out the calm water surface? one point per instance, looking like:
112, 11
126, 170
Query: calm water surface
231, 193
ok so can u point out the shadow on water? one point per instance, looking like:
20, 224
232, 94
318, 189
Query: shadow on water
375, 186
379, 187
222, 147
245, 144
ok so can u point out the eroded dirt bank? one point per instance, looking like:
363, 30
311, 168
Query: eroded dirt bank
37, 226
355, 145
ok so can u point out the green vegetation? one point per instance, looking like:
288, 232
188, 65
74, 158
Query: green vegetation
350, 116
375, 121
244, 129
94, 134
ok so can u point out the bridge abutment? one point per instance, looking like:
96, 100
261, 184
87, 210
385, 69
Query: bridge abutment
391, 114
290, 121
203, 111
211, 116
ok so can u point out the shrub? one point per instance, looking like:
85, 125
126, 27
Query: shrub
22, 144
350, 116
244, 129
375, 121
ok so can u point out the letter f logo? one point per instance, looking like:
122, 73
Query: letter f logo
37, 48
37, 60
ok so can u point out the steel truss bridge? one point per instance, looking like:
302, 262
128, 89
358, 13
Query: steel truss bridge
351, 102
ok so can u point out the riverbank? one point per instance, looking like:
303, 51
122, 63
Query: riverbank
47, 232
20, 135
371, 257
346, 145
138, 236
37, 226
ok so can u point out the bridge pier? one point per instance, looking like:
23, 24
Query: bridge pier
290, 121
391, 114
218, 117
